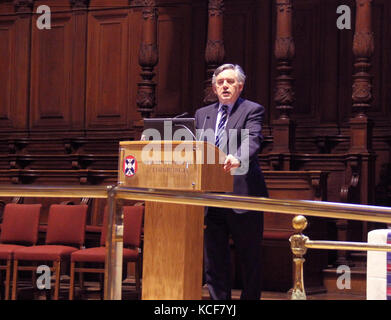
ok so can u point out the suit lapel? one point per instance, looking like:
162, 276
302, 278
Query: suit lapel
234, 116
211, 122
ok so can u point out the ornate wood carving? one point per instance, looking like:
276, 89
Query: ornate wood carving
363, 48
360, 125
148, 58
214, 52
284, 51
79, 4
23, 5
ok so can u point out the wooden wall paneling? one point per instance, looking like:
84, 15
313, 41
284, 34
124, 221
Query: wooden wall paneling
57, 80
306, 69
38, 146
7, 8
79, 67
107, 70
7, 56
173, 69
381, 63
199, 18
134, 67
14, 71
214, 49
382, 148
107, 4
239, 35
346, 70
94, 145
263, 53
335, 164
328, 52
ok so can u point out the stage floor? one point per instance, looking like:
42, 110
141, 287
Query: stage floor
91, 292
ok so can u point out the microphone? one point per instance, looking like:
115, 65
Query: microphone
183, 126
181, 115
203, 127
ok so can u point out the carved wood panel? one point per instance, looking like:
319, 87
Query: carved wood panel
381, 63
14, 59
173, 69
107, 70
239, 33
57, 69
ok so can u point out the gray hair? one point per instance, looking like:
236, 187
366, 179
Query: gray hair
238, 70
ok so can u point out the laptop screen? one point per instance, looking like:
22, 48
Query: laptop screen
169, 129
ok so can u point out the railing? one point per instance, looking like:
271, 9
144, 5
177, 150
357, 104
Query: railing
299, 242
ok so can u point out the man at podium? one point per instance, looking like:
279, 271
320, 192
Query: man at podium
236, 124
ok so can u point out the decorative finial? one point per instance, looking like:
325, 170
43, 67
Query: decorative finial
299, 223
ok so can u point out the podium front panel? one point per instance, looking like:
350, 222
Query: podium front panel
173, 165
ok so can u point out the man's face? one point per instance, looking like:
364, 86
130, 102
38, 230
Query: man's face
227, 88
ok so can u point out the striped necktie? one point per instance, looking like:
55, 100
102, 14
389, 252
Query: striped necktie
221, 126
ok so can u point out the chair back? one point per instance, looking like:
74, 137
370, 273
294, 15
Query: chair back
20, 223
67, 224
133, 220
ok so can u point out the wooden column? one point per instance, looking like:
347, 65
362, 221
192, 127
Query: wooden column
148, 58
360, 124
363, 47
283, 127
214, 53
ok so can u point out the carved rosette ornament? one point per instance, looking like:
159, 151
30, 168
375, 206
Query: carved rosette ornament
362, 92
214, 52
148, 57
145, 98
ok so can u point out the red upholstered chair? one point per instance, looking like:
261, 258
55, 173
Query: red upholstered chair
133, 217
19, 229
65, 234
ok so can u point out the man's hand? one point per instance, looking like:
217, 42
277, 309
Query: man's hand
231, 163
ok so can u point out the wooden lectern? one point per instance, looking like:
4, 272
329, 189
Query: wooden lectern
173, 233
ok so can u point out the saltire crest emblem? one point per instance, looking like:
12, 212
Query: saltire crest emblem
130, 166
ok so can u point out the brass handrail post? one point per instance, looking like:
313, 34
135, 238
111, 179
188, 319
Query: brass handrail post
299, 249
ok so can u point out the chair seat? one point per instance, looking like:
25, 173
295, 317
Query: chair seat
44, 252
7, 250
98, 254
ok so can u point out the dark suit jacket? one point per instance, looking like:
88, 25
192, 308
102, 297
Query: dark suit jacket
245, 114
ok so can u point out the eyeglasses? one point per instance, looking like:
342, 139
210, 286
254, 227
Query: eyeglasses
221, 82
